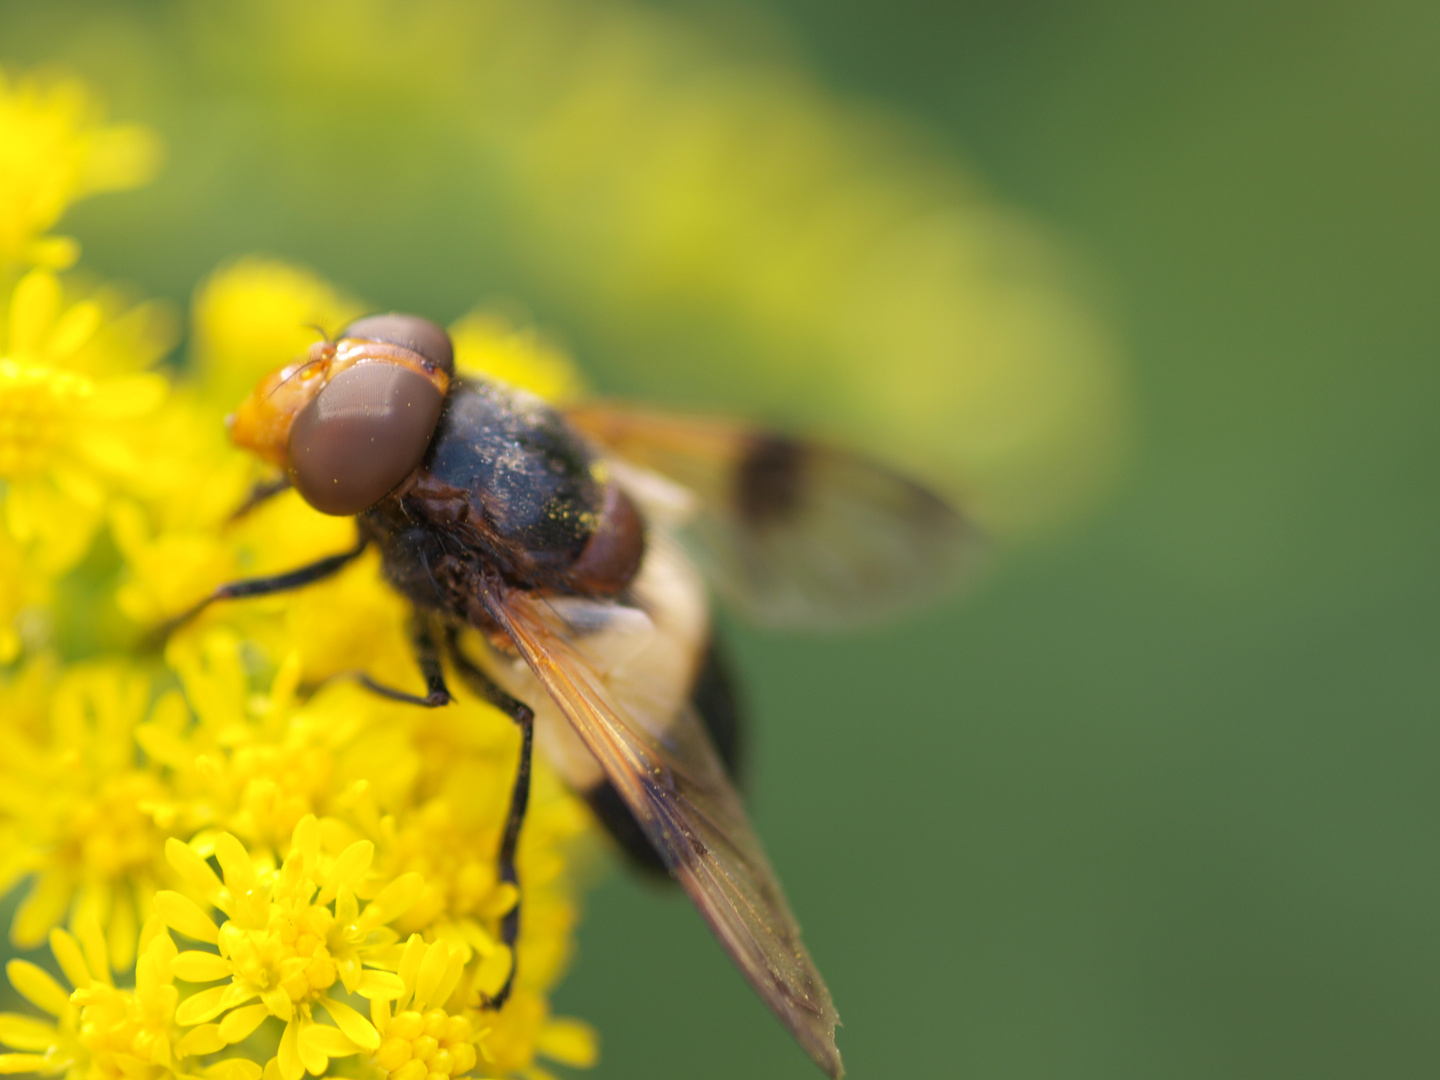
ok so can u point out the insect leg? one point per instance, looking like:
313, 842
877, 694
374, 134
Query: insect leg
262, 492
319, 570
427, 654
522, 714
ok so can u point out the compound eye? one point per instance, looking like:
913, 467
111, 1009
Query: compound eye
409, 332
361, 435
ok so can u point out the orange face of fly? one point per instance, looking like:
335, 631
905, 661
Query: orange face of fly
355, 417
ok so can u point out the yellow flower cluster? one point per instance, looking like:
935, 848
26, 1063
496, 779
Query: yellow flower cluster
264, 870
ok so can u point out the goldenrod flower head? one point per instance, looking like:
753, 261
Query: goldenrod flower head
292, 934
80, 811
54, 151
419, 1038
99, 1031
74, 404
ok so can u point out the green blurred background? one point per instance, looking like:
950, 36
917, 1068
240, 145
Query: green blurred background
1158, 798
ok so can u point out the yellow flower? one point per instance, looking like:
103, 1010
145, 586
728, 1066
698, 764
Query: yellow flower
54, 151
80, 812
528, 1032
101, 1031
488, 344
430, 1031
74, 402
291, 936
420, 1038
239, 760
253, 315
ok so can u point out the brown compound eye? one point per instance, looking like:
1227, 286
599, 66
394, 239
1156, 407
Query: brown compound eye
409, 332
361, 435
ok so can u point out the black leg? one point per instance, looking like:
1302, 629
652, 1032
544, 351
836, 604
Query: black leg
521, 713
260, 493
428, 655
264, 586
319, 570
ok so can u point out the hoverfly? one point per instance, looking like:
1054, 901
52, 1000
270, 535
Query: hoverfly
558, 536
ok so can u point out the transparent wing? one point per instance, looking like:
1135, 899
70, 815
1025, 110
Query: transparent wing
673, 782
789, 532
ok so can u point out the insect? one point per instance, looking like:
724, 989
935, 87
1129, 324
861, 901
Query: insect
558, 536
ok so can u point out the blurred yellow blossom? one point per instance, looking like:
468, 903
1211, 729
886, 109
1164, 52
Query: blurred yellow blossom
74, 397
487, 344
255, 310
80, 810
53, 151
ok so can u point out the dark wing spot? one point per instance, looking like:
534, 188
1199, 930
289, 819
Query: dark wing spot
769, 480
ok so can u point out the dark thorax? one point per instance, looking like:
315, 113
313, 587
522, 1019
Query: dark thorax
508, 493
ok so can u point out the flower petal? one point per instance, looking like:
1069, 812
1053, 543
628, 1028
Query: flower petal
305, 842
349, 868
277, 1000
238, 993
34, 305
236, 862
376, 984
395, 899
380, 1014
151, 933
98, 954
501, 901
322, 1040
38, 987
570, 1042
23, 1063
288, 1057
43, 906
200, 967
312, 1054
233, 1069
494, 970
70, 958
432, 970
189, 865
27, 1033
204, 1006
239, 1024
184, 915
205, 1039
356, 1028
410, 961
